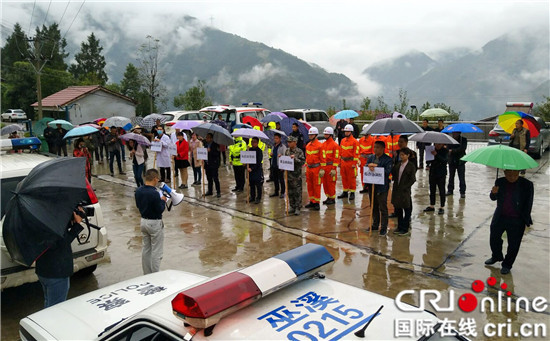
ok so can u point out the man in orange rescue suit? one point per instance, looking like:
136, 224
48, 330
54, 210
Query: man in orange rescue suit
315, 161
366, 144
349, 156
331, 152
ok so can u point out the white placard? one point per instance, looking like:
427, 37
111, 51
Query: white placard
286, 163
376, 177
172, 149
202, 154
248, 157
156, 146
429, 150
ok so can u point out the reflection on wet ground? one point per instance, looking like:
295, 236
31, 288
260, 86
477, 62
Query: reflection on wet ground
213, 236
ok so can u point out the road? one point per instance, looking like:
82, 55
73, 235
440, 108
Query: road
213, 236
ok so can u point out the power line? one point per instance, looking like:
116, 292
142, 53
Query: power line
47, 12
63, 15
83, 2
30, 24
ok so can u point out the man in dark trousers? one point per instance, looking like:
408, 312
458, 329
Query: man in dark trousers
49, 135
457, 151
380, 199
514, 196
277, 151
438, 174
60, 143
340, 125
151, 205
256, 173
212, 164
421, 146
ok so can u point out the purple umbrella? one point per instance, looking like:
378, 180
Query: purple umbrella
140, 139
185, 125
250, 133
279, 114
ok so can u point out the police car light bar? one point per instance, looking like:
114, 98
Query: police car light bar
206, 304
257, 104
21, 143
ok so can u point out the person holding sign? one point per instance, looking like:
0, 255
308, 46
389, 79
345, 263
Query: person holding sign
235, 159
314, 172
438, 175
256, 173
182, 159
379, 194
295, 177
196, 163
163, 157
212, 164
349, 155
366, 144
331, 152
278, 150
403, 175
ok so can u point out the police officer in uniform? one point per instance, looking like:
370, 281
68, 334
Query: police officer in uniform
238, 167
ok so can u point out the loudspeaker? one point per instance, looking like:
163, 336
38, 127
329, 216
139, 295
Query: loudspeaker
175, 197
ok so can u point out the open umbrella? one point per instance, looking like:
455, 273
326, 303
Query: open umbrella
220, 135
40, 125
11, 128
42, 205
286, 126
119, 122
140, 139
93, 125
435, 113
508, 122
80, 131
271, 133
433, 137
280, 114
397, 115
392, 126
272, 118
64, 124
500, 156
250, 133
150, 121
346, 114
253, 122
100, 121
185, 125
462, 128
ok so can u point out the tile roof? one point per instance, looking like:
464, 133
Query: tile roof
73, 93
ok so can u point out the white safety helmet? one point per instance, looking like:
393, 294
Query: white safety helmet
365, 126
313, 131
328, 131
348, 127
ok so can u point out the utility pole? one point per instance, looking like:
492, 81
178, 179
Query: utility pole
37, 64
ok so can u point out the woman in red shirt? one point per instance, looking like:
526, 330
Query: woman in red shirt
80, 150
182, 159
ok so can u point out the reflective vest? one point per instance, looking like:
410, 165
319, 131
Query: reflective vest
331, 152
349, 149
366, 145
391, 144
314, 153
235, 151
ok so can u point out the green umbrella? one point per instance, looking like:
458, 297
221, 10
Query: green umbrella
500, 156
434, 113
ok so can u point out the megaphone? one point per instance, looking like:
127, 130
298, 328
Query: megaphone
175, 197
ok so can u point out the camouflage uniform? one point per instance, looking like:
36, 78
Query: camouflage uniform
295, 178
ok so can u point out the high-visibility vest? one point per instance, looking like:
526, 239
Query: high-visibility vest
366, 145
235, 151
349, 149
314, 153
331, 152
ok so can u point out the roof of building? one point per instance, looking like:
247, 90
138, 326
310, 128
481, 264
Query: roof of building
74, 93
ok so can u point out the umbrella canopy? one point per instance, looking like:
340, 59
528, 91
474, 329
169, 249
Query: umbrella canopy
280, 114
150, 121
500, 156
508, 122
185, 125
462, 128
433, 137
346, 114
393, 126
216, 108
397, 115
100, 121
241, 126
434, 113
286, 126
80, 131
140, 139
64, 124
272, 118
253, 122
220, 135
271, 133
40, 125
119, 122
93, 125
35, 216
250, 133
11, 128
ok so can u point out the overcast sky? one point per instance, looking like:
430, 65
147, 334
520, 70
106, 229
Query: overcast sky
340, 36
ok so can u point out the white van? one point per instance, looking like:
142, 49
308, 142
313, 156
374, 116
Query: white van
14, 167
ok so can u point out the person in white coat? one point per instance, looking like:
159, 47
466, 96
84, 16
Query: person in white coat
163, 157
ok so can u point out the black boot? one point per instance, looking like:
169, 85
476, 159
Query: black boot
352, 196
330, 202
364, 190
343, 195
316, 206
309, 205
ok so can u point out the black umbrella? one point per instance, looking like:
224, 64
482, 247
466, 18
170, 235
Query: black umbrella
42, 205
393, 126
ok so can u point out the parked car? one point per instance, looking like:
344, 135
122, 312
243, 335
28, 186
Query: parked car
13, 168
174, 116
314, 117
234, 115
14, 115
538, 144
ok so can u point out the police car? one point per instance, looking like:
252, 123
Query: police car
89, 248
283, 297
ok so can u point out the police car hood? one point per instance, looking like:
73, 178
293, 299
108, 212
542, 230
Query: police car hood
90, 314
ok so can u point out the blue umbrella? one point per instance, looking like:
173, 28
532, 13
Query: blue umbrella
64, 124
80, 131
286, 126
346, 114
462, 128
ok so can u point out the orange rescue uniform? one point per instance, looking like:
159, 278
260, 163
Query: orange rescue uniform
331, 152
366, 148
349, 155
314, 161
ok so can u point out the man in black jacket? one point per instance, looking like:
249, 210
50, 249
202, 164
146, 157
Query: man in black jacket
514, 196
457, 151
438, 174
212, 164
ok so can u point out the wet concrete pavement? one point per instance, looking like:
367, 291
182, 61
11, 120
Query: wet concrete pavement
217, 235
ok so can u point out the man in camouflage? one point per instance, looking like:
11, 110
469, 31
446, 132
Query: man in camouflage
294, 188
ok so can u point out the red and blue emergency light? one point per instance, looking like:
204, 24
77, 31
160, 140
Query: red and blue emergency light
206, 304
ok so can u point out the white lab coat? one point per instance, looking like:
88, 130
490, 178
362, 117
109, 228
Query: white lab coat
163, 157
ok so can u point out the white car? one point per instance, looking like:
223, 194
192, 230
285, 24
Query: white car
174, 116
283, 297
314, 117
14, 115
235, 115
13, 168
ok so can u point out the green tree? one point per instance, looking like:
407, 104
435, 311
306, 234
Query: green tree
16, 49
115, 87
150, 75
365, 104
403, 105
331, 111
344, 106
425, 107
50, 46
90, 63
455, 115
542, 109
381, 106
194, 98
131, 86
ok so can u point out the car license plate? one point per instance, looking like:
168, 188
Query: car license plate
506, 138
